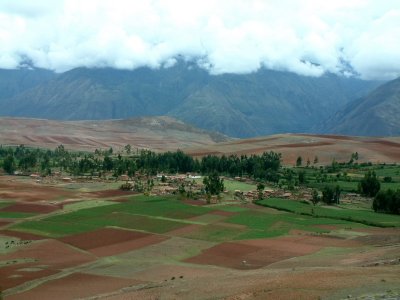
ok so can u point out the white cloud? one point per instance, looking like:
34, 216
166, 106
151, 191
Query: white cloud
307, 37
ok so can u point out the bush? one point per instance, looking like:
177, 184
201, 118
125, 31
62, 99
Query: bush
388, 202
369, 185
126, 187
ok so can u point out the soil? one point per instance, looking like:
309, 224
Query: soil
30, 192
77, 285
21, 235
110, 241
51, 253
254, 254
11, 276
31, 208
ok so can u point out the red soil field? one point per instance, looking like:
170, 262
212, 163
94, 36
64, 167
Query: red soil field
14, 275
21, 235
74, 286
52, 253
253, 254
29, 192
31, 208
127, 246
110, 241
5, 222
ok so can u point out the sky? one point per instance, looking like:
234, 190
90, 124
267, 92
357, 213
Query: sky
308, 37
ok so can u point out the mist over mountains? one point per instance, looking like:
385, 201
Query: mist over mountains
238, 105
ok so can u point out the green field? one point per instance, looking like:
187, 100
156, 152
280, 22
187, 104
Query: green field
160, 215
333, 212
152, 214
15, 215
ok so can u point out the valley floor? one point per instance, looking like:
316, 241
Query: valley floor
90, 241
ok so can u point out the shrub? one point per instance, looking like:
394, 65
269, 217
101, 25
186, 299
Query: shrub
369, 185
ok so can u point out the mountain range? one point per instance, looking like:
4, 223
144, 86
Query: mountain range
238, 105
377, 114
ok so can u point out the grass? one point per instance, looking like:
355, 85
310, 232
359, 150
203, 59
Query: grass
352, 215
232, 185
86, 204
152, 214
158, 214
4, 204
15, 215
265, 225
53, 229
215, 233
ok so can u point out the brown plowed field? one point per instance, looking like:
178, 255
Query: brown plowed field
29, 192
309, 146
110, 241
5, 222
14, 275
253, 254
74, 286
52, 253
21, 235
31, 208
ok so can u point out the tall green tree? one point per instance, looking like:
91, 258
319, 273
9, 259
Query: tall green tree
369, 185
213, 184
9, 164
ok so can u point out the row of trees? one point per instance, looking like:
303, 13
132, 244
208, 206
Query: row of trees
263, 167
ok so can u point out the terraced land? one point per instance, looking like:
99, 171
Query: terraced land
126, 246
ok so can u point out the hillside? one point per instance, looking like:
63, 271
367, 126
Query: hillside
168, 134
156, 133
374, 115
14, 82
308, 146
243, 105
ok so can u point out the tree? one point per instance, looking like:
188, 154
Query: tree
299, 161
387, 201
315, 197
302, 177
336, 194
327, 194
260, 189
128, 149
9, 164
213, 184
369, 185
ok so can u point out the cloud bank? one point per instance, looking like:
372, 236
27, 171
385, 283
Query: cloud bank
308, 37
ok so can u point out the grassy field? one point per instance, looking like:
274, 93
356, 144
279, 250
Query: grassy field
232, 185
349, 177
162, 214
152, 214
15, 215
333, 213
